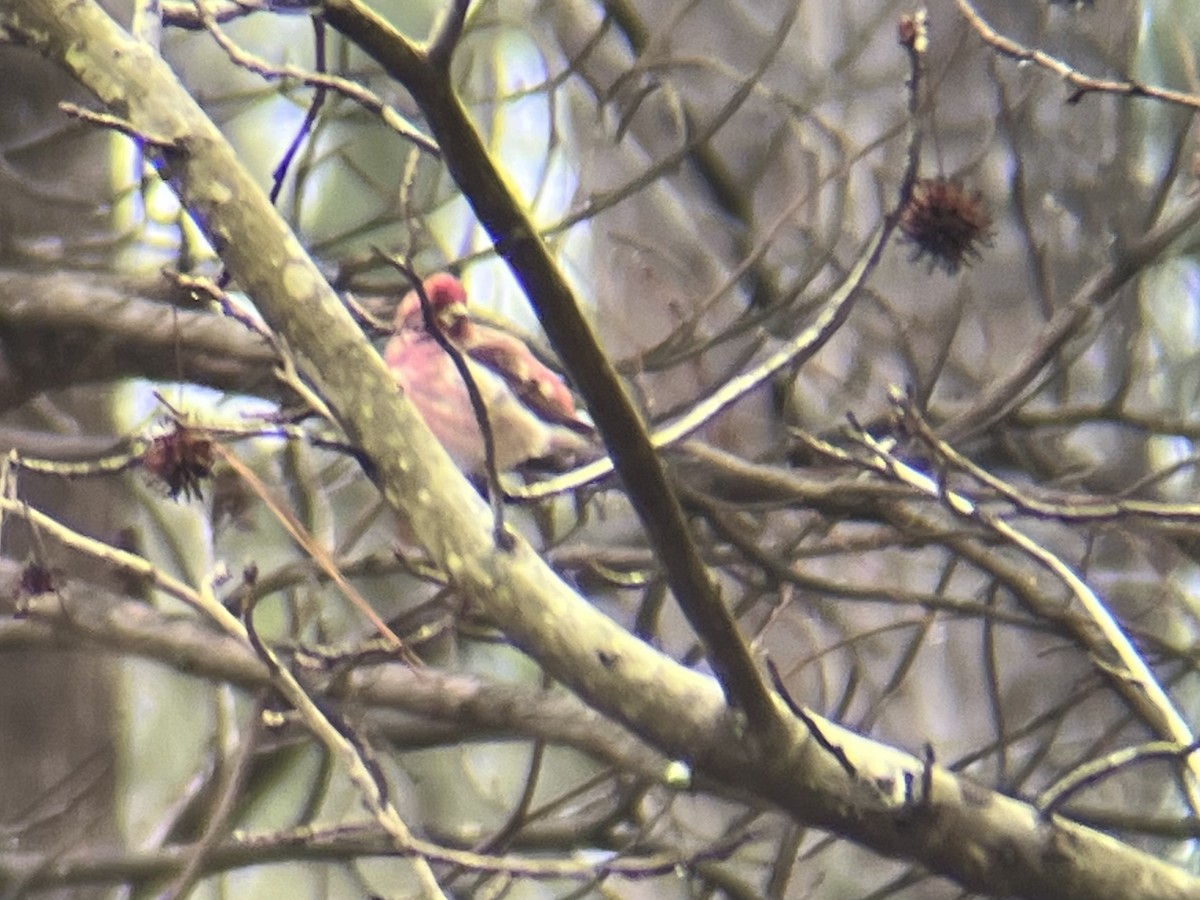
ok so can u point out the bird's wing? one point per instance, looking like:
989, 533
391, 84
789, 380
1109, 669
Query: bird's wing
537, 386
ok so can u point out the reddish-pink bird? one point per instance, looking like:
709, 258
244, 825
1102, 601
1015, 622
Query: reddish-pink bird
531, 412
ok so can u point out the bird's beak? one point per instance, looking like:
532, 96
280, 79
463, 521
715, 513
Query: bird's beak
450, 318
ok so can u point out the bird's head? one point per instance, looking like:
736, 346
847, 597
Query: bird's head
447, 301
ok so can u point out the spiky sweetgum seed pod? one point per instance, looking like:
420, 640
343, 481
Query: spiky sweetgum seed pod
182, 459
945, 222
36, 579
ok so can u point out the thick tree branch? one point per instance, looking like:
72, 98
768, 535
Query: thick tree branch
66, 328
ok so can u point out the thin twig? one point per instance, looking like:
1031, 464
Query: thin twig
1095, 771
1006, 392
208, 287
183, 14
120, 125
310, 117
364, 97
1083, 84
448, 33
810, 722
1086, 510
317, 552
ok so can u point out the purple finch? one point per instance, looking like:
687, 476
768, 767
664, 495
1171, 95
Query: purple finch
531, 412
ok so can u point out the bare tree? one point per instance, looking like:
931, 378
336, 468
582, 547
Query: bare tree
882, 584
